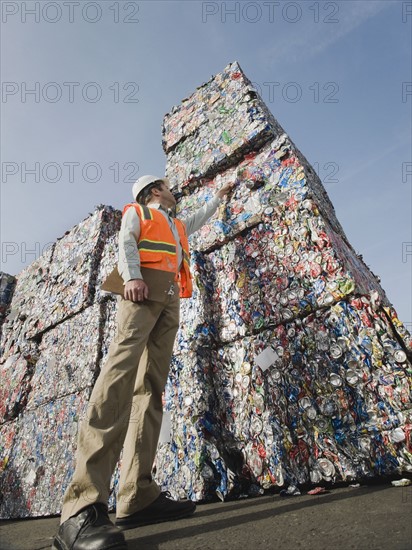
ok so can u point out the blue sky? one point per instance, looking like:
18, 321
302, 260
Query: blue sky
334, 74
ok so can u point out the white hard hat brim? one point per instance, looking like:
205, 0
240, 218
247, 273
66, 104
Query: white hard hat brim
144, 181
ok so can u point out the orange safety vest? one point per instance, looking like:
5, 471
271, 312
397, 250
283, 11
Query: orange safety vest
157, 246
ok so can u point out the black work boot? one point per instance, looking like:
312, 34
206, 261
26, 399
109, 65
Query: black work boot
164, 508
90, 529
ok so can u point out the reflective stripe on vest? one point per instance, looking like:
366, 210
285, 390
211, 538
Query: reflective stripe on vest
157, 245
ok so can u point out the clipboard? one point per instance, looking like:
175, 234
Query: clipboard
158, 282
113, 283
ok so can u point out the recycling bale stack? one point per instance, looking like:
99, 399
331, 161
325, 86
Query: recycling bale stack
52, 347
290, 366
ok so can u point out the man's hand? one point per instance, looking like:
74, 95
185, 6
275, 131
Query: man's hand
136, 290
225, 189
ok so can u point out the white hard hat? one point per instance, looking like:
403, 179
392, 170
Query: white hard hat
143, 182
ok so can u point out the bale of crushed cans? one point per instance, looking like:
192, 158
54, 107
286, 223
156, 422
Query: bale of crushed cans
62, 281
39, 460
290, 365
326, 397
214, 127
26, 304
62, 367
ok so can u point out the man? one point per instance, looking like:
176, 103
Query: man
125, 408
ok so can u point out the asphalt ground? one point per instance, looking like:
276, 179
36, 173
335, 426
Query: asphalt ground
363, 518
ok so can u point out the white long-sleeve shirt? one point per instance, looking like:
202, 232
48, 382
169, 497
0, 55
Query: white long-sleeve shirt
129, 259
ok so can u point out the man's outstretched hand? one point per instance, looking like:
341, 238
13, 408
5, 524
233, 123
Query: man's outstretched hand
136, 290
225, 189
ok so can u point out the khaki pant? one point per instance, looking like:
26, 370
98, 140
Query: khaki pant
125, 410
